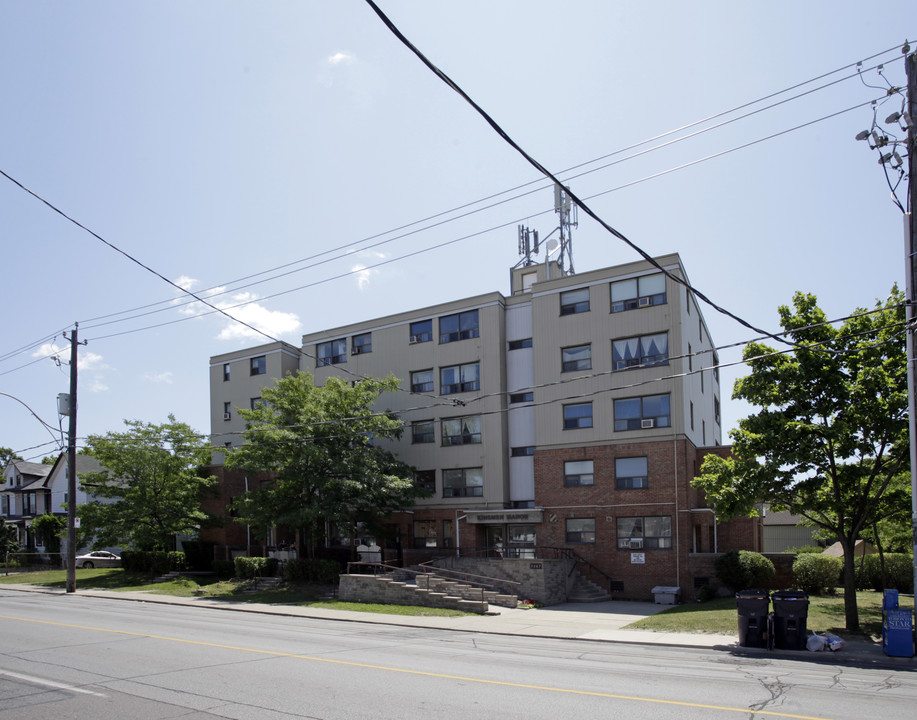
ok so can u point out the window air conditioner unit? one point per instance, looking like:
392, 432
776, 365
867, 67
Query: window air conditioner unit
636, 543
644, 302
227, 416
647, 423
355, 351
415, 339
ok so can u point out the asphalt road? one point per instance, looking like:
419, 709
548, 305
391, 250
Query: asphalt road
71, 656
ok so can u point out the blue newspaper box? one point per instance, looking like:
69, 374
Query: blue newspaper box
898, 633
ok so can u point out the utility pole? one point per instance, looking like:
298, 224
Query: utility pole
71, 467
910, 64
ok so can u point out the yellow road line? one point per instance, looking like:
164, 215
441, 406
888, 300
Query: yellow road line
481, 681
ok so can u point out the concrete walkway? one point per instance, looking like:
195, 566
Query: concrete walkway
604, 621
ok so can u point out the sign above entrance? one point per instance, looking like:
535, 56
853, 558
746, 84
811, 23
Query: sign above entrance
501, 517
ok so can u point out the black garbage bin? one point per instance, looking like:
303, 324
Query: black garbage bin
791, 610
753, 607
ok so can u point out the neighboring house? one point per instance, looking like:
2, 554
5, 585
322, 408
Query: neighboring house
568, 417
783, 532
24, 496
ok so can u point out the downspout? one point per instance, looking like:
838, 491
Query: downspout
248, 529
677, 525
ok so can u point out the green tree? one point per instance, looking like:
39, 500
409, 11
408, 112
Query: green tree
831, 432
150, 488
8, 541
7, 455
48, 529
320, 444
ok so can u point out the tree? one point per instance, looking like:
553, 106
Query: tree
831, 433
8, 540
320, 445
48, 530
7, 456
150, 488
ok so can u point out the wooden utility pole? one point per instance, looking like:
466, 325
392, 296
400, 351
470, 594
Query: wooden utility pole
71, 467
910, 64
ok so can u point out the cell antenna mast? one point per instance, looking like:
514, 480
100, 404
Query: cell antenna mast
567, 213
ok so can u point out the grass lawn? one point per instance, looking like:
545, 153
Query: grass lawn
209, 586
826, 614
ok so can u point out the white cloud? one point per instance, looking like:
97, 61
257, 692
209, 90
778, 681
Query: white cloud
159, 378
51, 350
341, 58
185, 282
363, 273
272, 322
96, 386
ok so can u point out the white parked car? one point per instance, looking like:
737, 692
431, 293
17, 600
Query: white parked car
98, 559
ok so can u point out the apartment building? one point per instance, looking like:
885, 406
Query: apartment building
568, 416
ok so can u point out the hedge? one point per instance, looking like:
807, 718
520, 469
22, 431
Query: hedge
817, 574
248, 568
321, 571
899, 568
743, 569
157, 561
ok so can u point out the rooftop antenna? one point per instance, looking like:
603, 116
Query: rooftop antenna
567, 214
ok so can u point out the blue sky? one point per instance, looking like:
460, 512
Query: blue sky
215, 141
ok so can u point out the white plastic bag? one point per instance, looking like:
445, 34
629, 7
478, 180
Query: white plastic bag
816, 642
835, 643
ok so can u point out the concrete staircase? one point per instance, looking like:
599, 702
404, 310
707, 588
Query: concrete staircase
265, 583
586, 591
424, 589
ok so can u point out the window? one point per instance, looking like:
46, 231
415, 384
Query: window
422, 432
255, 403
581, 531
227, 445
521, 397
227, 411
333, 352
361, 344
464, 482
631, 473
574, 301
520, 344
691, 414
716, 409
578, 416
448, 534
638, 292
578, 472
642, 412
462, 431
460, 378
461, 326
526, 451
643, 351
645, 533
422, 381
690, 358
424, 534
426, 480
716, 368
576, 358
258, 365
422, 331
225, 372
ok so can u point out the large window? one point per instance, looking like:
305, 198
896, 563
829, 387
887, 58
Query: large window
461, 326
463, 482
422, 381
576, 358
581, 531
426, 480
227, 411
578, 416
424, 534
422, 331
361, 344
422, 432
574, 301
520, 344
522, 397
523, 451
460, 378
225, 372
462, 431
645, 533
258, 365
578, 472
631, 473
643, 351
638, 292
650, 411
333, 352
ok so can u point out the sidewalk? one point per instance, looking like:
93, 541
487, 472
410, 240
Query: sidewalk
603, 621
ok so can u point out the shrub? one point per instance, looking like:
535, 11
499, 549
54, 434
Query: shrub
312, 570
817, 574
156, 561
899, 568
743, 569
248, 568
223, 569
